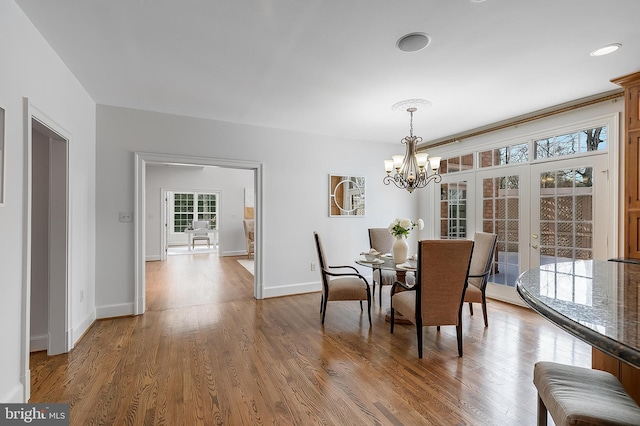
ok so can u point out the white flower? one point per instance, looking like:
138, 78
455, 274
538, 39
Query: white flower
402, 226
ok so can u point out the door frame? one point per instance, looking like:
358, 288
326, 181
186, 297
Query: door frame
60, 334
139, 214
166, 213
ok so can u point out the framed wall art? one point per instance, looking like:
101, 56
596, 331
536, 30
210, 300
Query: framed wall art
346, 196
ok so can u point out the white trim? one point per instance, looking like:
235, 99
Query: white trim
78, 331
38, 343
293, 289
141, 160
504, 294
3, 156
112, 311
32, 112
14, 395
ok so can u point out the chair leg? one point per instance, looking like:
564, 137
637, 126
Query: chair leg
324, 309
392, 314
470, 308
459, 331
419, 333
321, 302
484, 311
361, 305
542, 412
380, 290
369, 306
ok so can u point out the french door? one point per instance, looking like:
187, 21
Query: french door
546, 212
569, 210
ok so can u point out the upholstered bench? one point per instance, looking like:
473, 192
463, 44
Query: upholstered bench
582, 396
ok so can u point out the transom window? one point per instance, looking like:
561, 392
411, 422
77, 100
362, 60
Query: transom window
580, 142
456, 164
518, 153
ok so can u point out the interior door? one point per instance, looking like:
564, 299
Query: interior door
569, 210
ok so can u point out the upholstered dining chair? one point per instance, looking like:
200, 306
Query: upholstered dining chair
438, 294
249, 236
200, 232
380, 239
341, 283
479, 271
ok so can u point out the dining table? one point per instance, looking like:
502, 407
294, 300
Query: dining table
386, 262
596, 301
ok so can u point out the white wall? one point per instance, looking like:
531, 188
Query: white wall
231, 184
30, 68
296, 168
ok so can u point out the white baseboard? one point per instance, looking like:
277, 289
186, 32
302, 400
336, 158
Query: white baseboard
504, 294
152, 258
39, 343
111, 311
292, 289
14, 396
78, 332
233, 253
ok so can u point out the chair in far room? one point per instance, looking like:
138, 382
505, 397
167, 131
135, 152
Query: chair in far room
249, 236
200, 233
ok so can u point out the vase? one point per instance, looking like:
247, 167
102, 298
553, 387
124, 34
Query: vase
400, 249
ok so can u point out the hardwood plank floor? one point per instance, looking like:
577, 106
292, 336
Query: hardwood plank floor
206, 352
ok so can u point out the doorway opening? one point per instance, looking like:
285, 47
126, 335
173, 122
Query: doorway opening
49, 240
142, 161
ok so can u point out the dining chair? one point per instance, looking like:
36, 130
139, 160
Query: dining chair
381, 240
438, 294
338, 284
249, 236
479, 271
200, 232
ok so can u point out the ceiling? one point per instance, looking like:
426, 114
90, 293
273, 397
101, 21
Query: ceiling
331, 67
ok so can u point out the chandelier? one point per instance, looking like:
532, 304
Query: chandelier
413, 170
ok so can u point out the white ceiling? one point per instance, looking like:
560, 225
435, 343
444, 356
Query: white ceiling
331, 67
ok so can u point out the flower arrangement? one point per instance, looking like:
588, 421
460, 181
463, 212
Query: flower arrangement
402, 226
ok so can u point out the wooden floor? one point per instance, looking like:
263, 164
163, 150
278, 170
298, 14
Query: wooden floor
206, 352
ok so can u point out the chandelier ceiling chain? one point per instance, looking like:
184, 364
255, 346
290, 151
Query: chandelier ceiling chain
411, 171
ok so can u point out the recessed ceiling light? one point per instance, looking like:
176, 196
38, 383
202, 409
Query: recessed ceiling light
413, 42
605, 50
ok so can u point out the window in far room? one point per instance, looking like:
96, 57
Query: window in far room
190, 206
